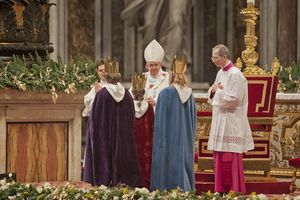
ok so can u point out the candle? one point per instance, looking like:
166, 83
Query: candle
251, 1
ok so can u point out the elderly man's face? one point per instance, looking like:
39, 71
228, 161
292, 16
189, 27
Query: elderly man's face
153, 68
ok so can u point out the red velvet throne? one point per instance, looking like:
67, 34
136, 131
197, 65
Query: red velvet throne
261, 94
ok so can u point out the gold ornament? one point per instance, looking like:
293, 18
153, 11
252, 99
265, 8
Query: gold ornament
111, 66
138, 82
112, 74
178, 70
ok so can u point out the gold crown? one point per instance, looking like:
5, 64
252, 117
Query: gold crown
111, 66
138, 81
179, 64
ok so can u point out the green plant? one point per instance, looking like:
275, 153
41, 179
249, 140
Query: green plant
289, 78
47, 76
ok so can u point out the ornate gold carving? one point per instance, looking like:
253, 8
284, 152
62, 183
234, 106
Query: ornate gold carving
203, 106
285, 137
291, 139
239, 63
203, 127
275, 66
45, 10
19, 9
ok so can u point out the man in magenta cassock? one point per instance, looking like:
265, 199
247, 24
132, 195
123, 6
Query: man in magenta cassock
230, 135
110, 155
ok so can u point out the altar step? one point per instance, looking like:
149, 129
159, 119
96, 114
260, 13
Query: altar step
204, 181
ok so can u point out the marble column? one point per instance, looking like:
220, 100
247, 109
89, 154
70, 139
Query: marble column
198, 41
58, 28
287, 30
268, 33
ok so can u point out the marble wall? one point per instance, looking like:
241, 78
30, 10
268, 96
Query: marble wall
81, 28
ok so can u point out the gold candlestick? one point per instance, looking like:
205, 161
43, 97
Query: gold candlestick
249, 55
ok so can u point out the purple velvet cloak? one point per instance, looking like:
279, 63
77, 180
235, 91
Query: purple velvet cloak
110, 155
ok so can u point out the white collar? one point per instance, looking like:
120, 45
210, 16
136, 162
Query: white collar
183, 92
140, 110
161, 75
116, 91
103, 82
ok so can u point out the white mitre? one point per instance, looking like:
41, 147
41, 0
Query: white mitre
154, 52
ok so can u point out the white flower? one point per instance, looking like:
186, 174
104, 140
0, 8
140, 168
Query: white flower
103, 187
262, 197
10, 175
125, 196
152, 195
4, 187
142, 190
27, 185
116, 198
11, 197
39, 190
77, 196
2, 181
47, 185
173, 195
105, 196
64, 194
84, 190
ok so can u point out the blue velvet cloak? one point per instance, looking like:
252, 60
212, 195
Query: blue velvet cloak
110, 156
173, 143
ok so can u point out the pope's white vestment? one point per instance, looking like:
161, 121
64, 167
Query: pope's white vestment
155, 85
